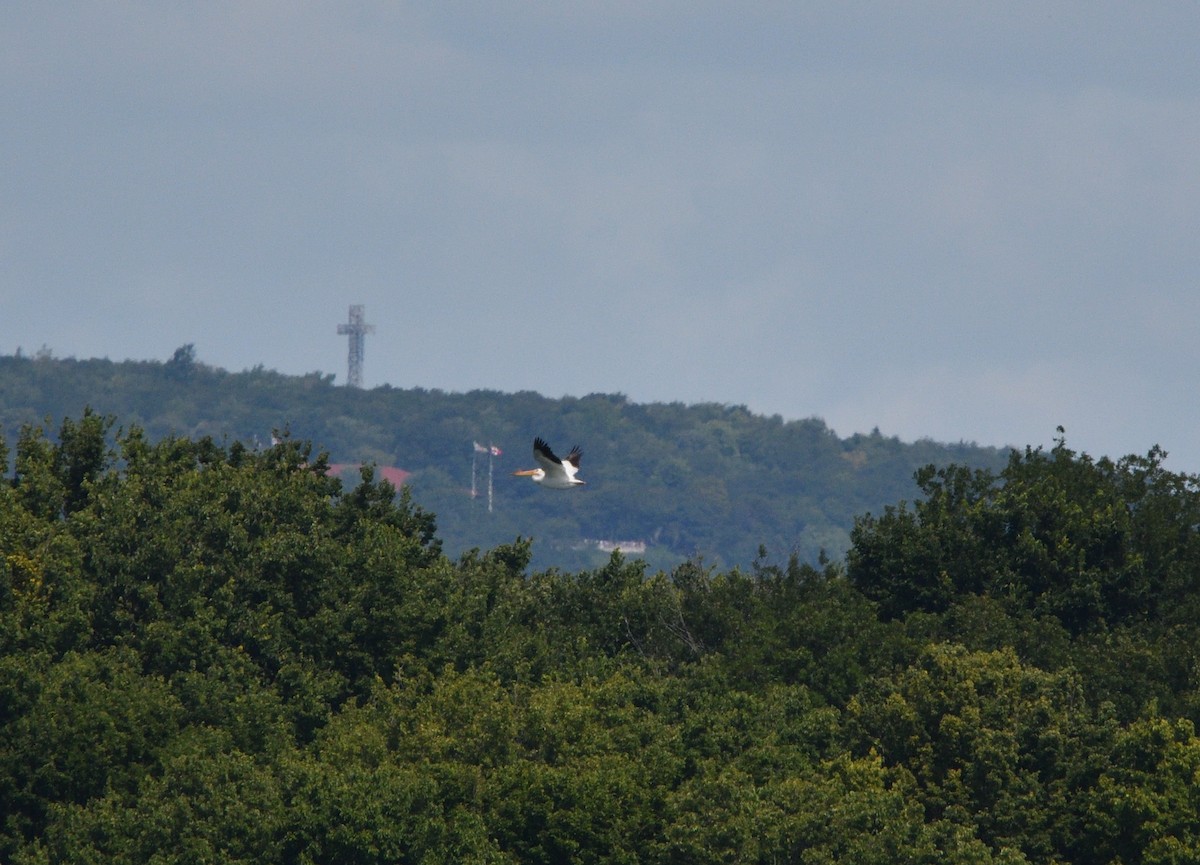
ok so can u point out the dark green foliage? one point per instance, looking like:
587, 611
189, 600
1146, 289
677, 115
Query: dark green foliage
219, 653
1093, 544
1145, 804
705, 480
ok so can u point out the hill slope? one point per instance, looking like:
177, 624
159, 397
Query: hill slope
707, 480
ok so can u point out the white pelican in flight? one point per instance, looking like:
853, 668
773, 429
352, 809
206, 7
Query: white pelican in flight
554, 474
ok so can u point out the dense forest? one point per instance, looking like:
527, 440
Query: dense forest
217, 652
710, 481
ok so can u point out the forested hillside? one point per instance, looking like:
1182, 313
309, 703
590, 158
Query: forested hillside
708, 480
211, 652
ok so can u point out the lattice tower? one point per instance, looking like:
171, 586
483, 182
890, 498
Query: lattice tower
357, 329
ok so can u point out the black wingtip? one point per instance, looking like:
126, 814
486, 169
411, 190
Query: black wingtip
540, 446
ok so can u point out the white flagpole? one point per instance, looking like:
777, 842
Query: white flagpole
491, 451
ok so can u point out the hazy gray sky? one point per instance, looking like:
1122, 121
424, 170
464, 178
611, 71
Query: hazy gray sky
949, 219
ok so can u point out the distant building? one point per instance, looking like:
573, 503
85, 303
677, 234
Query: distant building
395, 476
634, 547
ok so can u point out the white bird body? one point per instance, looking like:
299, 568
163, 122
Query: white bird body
554, 473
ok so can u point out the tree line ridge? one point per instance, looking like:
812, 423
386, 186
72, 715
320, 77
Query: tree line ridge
707, 480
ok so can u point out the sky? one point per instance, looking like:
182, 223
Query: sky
962, 221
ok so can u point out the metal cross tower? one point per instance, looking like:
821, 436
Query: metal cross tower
356, 329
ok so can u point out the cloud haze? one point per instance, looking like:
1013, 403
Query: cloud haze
946, 220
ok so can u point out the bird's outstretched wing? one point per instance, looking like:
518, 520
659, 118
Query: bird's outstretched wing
545, 457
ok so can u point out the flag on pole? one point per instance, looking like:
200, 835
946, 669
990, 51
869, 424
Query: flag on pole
479, 449
494, 450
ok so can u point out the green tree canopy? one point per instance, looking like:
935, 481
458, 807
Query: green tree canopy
215, 652
1091, 543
